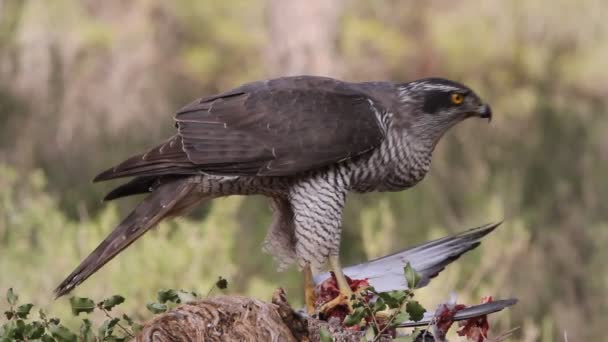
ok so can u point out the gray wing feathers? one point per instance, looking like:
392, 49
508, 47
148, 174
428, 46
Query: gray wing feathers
280, 127
386, 273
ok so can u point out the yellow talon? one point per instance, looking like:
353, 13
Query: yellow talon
341, 299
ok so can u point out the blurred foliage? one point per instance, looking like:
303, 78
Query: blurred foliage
84, 84
21, 324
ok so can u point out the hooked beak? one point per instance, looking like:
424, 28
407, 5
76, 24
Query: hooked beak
485, 112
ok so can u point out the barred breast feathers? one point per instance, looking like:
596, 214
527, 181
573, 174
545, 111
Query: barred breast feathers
397, 164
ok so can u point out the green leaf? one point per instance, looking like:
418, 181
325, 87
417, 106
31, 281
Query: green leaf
62, 334
127, 319
411, 276
325, 336
156, 308
20, 328
357, 304
110, 303
221, 283
371, 289
24, 310
393, 299
379, 305
12, 297
80, 304
107, 328
400, 318
86, 331
355, 317
168, 296
8, 330
35, 330
399, 296
415, 310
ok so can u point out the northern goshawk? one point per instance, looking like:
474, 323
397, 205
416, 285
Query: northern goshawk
305, 142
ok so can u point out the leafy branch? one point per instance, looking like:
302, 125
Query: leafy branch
116, 328
382, 312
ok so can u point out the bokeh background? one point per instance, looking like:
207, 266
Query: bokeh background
84, 84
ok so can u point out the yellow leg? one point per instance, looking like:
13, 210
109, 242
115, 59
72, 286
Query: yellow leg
334, 263
344, 298
309, 290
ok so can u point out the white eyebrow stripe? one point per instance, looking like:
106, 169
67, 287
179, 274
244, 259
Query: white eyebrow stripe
435, 86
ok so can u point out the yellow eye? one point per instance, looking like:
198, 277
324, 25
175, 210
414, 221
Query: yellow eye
457, 98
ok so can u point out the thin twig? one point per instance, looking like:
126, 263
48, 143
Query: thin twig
391, 319
118, 323
388, 324
370, 311
211, 290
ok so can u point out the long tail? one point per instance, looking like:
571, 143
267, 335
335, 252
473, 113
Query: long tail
428, 259
167, 200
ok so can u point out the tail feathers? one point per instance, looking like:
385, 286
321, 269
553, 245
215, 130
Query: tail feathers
166, 158
428, 259
158, 205
139, 185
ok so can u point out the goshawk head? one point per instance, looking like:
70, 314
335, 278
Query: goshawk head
437, 104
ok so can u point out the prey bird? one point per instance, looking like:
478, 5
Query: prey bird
386, 273
305, 142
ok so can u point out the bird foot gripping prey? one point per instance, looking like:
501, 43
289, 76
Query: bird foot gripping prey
341, 300
386, 273
331, 301
334, 297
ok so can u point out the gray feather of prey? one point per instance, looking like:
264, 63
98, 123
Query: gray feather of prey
466, 313
428, 259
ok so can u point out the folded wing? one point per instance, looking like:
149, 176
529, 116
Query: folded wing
268, 128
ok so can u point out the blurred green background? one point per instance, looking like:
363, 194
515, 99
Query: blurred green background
84, 84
